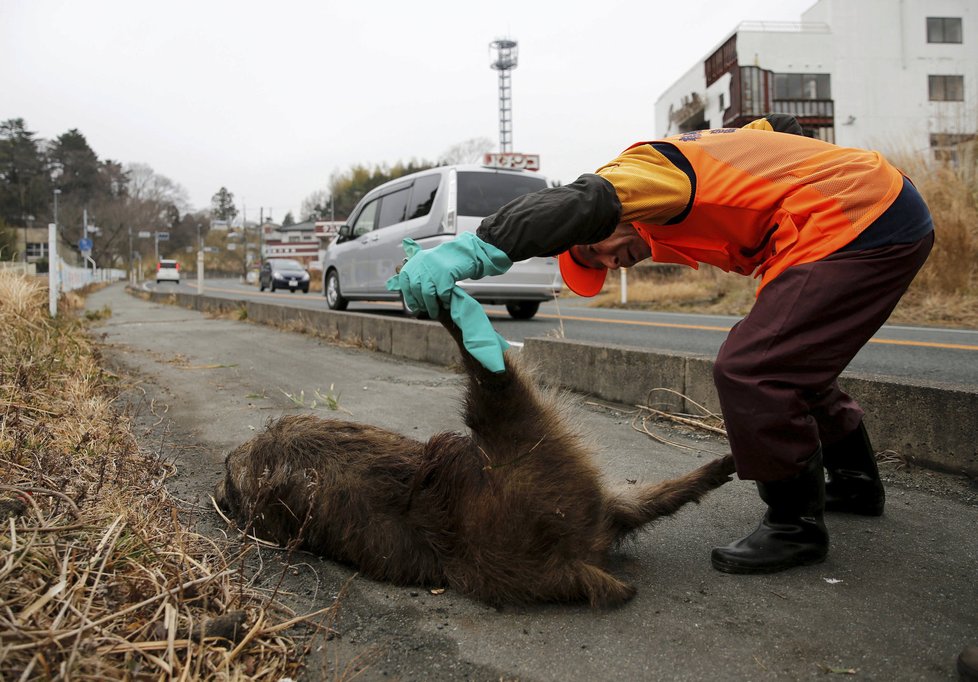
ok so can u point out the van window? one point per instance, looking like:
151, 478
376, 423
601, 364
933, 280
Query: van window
481, 194
365, 221
423, 196
393, 206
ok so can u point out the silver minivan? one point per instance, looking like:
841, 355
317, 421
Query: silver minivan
431, 207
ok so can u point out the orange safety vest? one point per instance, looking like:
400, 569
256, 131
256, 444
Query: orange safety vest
765, 201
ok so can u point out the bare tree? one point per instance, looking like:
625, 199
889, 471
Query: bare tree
468, 151
316, 205
145, 184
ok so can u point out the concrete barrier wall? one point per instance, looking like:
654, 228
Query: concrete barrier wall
931, 425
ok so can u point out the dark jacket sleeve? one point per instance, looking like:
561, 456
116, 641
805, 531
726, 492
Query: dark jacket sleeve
550, 221
785, 123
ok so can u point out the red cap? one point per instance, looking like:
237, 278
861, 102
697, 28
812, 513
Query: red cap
582, 280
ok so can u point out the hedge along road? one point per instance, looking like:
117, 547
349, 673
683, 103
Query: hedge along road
929, 354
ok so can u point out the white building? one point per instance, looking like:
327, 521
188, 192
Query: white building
897, 75
304, 242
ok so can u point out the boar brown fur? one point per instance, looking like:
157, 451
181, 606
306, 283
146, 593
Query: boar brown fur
514, 512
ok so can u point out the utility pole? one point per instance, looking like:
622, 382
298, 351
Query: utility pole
261, 237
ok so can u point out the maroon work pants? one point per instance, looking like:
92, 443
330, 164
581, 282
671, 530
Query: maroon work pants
777, 371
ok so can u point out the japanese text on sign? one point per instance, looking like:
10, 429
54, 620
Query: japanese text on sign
513, 160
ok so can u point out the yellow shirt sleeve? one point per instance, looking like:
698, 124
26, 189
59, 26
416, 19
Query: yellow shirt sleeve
649, 186
760, 124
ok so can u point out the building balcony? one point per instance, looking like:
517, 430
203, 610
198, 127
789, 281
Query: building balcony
811, 111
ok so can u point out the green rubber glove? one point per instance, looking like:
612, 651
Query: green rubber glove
428, 281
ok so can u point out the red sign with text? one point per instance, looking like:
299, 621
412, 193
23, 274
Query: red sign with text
513, 160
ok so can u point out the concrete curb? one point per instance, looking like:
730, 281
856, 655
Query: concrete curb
932, 425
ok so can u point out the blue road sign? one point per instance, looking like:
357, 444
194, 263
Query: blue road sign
85, 244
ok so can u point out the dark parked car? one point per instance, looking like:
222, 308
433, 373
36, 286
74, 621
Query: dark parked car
283, 273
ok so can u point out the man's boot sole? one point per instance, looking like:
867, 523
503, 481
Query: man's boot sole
763, 569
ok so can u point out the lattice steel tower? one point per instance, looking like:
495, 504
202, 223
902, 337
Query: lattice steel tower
504, 60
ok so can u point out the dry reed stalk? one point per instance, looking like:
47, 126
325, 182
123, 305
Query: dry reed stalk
98, 575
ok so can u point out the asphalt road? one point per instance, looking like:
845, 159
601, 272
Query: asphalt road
895, 600
930, 354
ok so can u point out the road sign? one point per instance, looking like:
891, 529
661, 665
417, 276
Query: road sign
145, 234
85, 245
513, 160
162, 236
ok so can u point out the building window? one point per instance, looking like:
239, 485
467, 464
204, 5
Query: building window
802, 86
943, 29
37, 249
755, 91
945, 88
722, 102
720, 61
825, 133
946, 145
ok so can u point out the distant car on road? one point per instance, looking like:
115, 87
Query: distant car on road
168, 271
283, 273
432, 207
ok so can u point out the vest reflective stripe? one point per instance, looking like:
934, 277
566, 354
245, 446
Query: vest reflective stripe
761, 207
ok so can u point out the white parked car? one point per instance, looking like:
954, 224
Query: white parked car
432, 207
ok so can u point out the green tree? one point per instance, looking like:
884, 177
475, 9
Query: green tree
222, 205
288, 220
76, 167
8, 242
349, 187
25, 182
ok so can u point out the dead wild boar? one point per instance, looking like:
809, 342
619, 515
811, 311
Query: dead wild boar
513, 512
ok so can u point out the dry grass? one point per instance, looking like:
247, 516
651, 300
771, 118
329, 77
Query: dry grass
99, 575
680, 289
945, 292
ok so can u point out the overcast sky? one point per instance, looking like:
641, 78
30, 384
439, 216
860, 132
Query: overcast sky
270, 98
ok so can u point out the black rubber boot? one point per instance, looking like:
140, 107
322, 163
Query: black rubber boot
968, 664
853, 483
791, 533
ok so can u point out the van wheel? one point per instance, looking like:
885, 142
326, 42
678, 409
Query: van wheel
523, 310
334, 298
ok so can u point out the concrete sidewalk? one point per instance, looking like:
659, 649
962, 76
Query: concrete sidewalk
896, 600
926, 424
